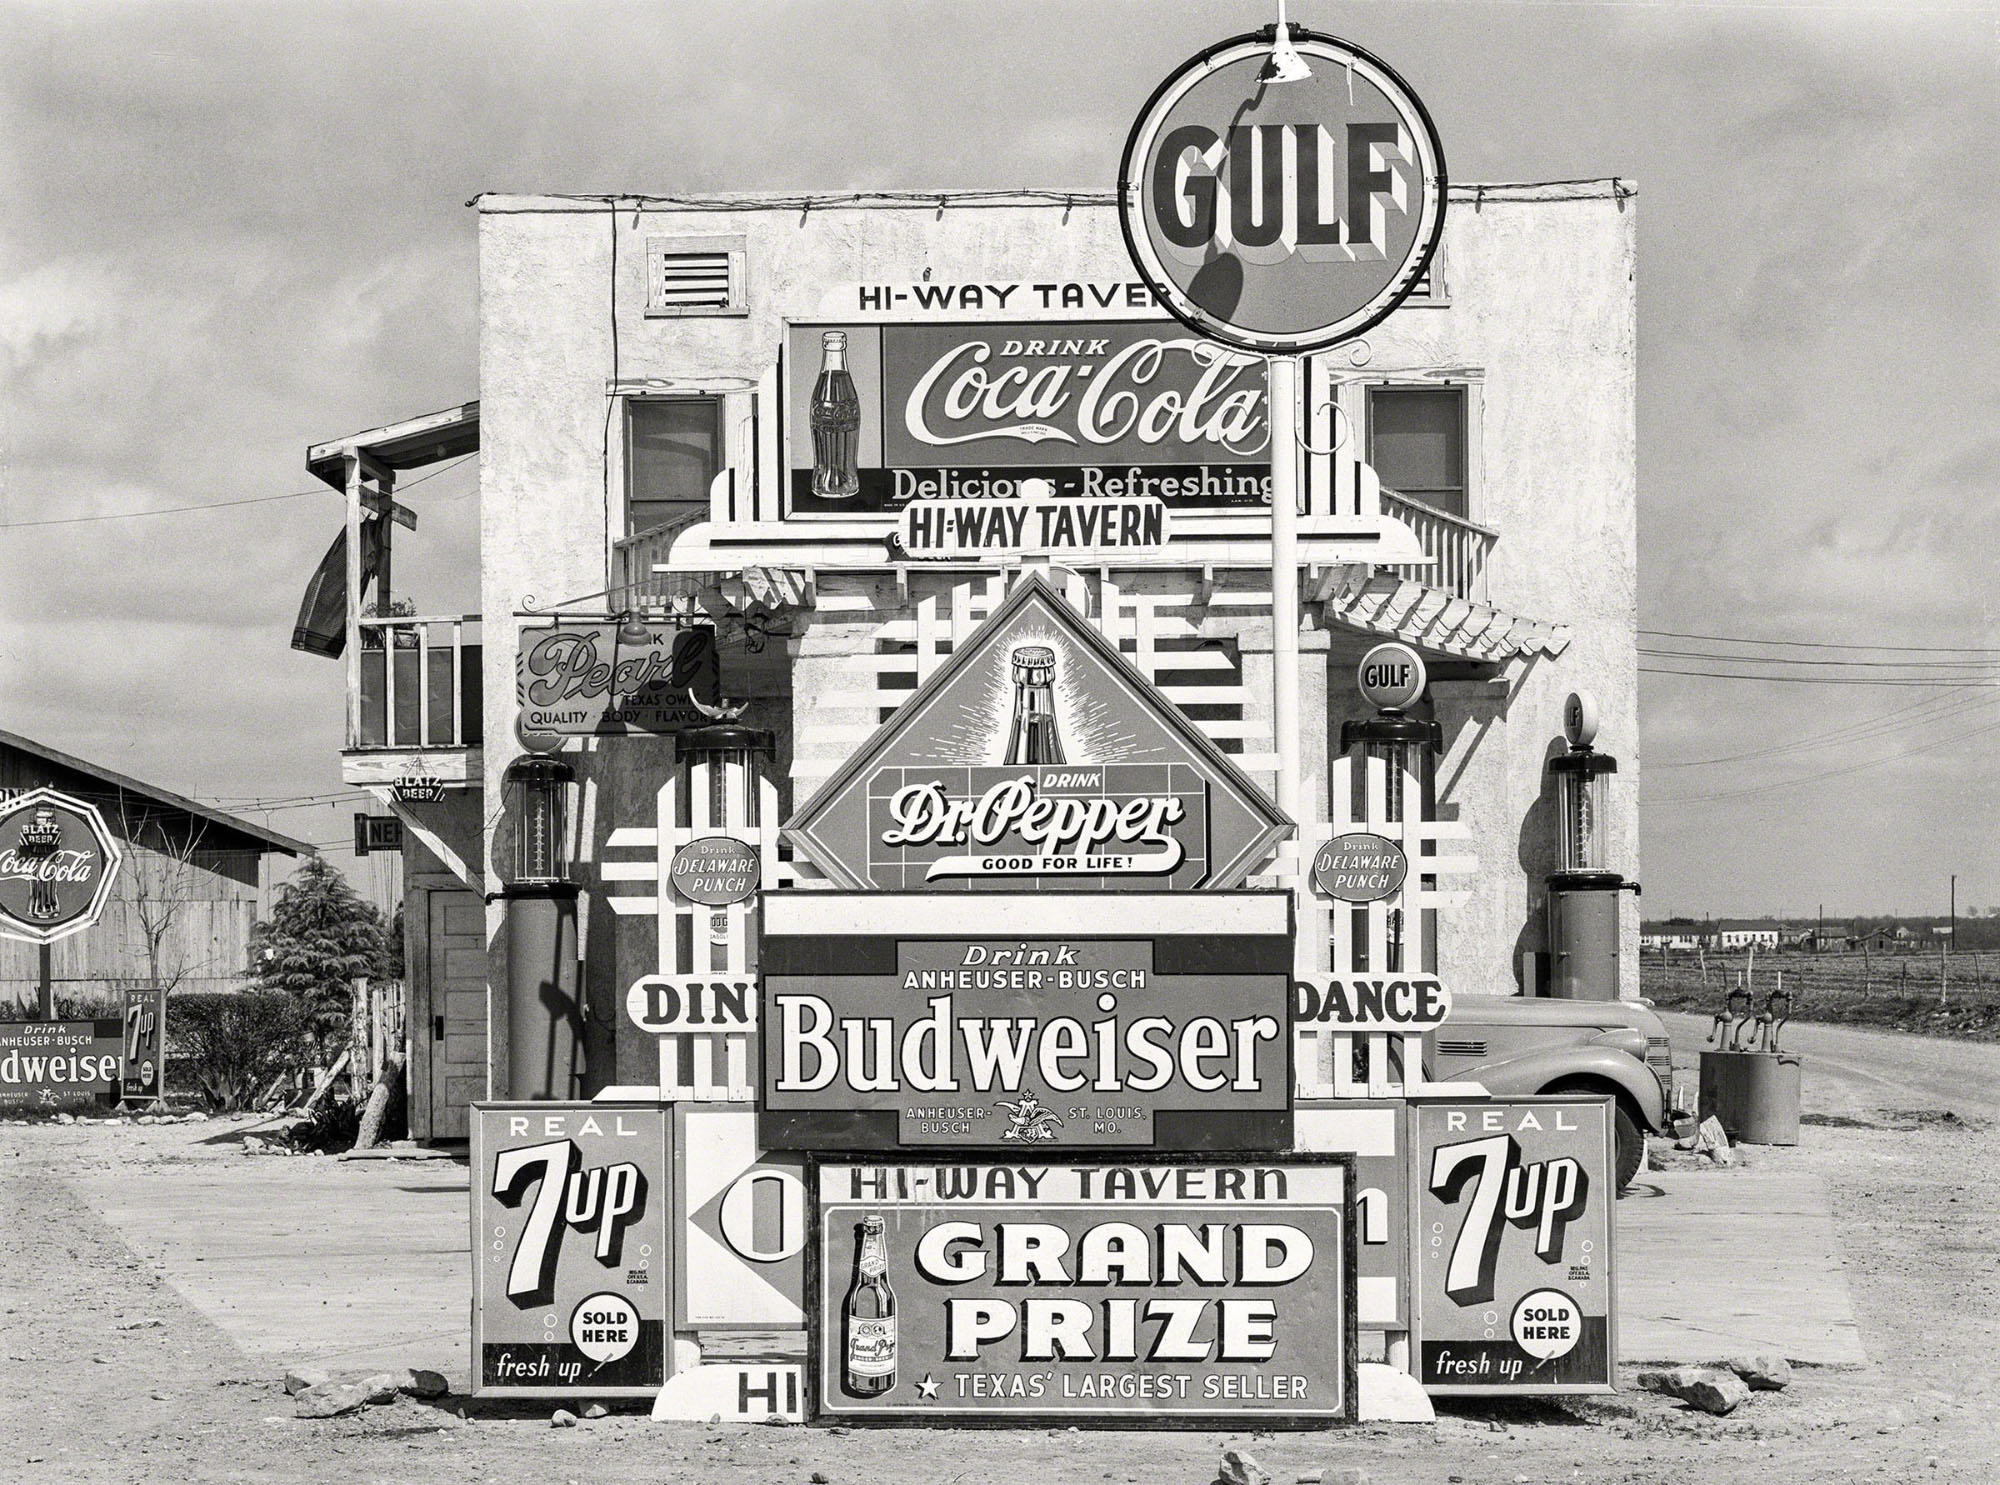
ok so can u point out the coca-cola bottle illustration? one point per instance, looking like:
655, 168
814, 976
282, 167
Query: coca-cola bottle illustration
1034, 736
869, 1316
39, 842
836, 423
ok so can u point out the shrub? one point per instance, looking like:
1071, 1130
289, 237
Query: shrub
236, 1046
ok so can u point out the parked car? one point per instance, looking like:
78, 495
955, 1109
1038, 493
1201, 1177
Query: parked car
1516, 1044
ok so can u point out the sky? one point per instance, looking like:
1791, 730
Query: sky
233, 229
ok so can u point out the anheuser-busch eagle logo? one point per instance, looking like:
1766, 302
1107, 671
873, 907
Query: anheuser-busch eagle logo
1036, 756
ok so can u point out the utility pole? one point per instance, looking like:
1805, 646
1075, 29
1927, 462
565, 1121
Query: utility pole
1944, 955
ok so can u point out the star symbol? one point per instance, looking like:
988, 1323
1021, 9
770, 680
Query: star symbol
927, 1388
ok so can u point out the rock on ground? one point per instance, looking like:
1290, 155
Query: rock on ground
562, 1418
1241, 1468
299, 1378
331, 1399
417, 1382
597, 1410
1708, 1388
1763, 1373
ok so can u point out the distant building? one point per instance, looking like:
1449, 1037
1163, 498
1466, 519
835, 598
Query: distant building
1673, 936
1734, 933
194, 881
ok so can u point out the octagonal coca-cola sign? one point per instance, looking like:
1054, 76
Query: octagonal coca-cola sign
1037, 757
57, 864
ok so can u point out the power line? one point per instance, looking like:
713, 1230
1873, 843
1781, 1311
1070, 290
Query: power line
1929, 747
1809, 644
1829, 680
1928, 712
1854, 664
175, 510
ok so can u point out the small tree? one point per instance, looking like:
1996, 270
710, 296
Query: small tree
320, 938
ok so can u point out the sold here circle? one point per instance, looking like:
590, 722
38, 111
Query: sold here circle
1547, 1324
604, 1327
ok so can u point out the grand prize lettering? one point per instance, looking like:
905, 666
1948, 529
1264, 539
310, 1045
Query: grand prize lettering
991, 1290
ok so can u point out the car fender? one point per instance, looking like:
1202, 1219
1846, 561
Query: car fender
1537, 1070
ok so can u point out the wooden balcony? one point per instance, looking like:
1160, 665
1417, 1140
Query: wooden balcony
1458, 548
414, 699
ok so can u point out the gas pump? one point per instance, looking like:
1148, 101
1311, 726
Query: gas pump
545, 1045
1584, 891
1391, 678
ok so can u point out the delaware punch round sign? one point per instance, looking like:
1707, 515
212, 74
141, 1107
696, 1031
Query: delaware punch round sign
1282, 216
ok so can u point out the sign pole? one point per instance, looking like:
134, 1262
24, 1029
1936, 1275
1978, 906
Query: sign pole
1284, 406
47, 996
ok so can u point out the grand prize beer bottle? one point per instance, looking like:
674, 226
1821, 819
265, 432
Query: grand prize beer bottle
836, 423
869, 1316
1033, 738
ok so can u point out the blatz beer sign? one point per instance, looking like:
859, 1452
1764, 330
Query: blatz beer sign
1037, 757
1035, 1022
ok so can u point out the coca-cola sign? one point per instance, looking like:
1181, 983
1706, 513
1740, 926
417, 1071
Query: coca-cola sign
1079, 410
1038, 757
57, 863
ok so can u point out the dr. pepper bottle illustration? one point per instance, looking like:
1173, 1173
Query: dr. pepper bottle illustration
1033, 738
869, 1315
836, 423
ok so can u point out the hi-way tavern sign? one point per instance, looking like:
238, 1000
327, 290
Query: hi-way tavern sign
1282, 212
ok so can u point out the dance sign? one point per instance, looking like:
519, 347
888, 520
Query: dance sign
1037, 758
572, 1268
1103, 1293
58, 860
1513, 1262
1035, 1022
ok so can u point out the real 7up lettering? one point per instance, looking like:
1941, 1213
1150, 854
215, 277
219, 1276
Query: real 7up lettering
608, 1198
1496, 1184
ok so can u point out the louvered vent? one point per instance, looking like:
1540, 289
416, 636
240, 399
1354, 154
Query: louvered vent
695, 276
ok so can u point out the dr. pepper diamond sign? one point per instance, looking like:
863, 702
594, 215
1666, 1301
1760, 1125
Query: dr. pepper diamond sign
1037, 757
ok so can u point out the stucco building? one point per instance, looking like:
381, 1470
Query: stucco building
647, 368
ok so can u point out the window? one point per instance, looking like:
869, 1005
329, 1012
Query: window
1416, 444
695, 276
673, 451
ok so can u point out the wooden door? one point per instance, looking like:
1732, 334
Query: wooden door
457, 964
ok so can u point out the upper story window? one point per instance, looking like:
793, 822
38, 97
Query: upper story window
1417, 444
673, 452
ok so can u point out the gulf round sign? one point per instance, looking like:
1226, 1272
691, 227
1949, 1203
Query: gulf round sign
1391, 677
1282, 216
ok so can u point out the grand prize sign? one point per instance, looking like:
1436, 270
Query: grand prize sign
1282, 212
1037, 1022
1213, 1292
58, 860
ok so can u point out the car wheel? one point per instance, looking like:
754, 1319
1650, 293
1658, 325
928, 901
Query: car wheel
1631, 1145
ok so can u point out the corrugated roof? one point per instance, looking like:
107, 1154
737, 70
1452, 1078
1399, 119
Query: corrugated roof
167, 797
1432, 619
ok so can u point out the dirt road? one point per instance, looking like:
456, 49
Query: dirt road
107, 1374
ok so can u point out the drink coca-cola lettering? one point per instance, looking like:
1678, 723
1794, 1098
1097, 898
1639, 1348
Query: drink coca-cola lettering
1152, 391
61, 866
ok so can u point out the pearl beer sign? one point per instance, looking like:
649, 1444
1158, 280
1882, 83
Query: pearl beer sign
1106, 1293
57, 863
1029, 1022
1037, 757
1282, 215
603, 679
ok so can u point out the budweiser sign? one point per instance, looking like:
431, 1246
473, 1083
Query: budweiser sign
884, 414
1036, 756
57, 863
1026, 1021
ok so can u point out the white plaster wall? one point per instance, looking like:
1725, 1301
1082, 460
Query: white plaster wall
1542, 308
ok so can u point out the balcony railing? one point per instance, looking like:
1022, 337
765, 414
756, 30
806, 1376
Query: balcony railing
1458, 548
418, 682
633, 581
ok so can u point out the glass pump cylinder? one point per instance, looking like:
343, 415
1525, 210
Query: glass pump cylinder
540, 785
1582, 777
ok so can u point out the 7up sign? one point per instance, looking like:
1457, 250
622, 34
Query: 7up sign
1513, 1275
572, 1272
1282, 210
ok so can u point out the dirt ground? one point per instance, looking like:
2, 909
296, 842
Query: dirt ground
108, 1375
